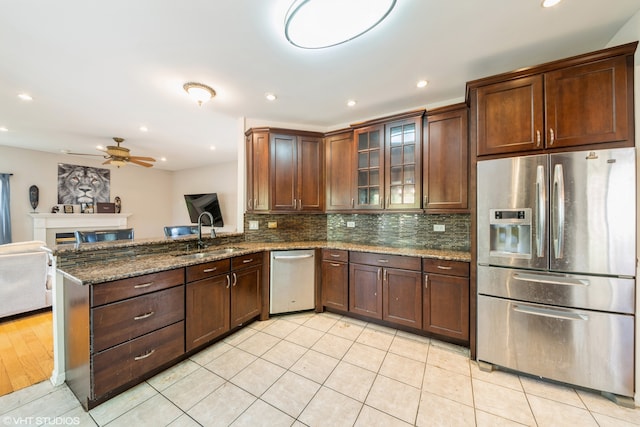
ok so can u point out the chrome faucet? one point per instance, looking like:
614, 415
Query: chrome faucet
201, 244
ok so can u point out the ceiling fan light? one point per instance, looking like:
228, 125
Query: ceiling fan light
315, 24
199, 92
550, 3
118, 163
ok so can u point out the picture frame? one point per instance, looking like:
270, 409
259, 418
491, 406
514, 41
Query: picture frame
68, 209
86, 208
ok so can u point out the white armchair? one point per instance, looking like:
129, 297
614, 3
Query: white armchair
25, 278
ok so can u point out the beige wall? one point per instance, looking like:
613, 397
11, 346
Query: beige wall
153, 197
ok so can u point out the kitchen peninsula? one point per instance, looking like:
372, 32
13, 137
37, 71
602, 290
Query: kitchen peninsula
134, 308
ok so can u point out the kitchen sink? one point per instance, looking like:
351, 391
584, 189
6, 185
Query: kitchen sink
206, 253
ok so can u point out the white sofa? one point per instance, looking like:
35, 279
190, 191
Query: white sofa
25, 278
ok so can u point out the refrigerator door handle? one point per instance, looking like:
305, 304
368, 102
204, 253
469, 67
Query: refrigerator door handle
558, 211
551, 280
541, 201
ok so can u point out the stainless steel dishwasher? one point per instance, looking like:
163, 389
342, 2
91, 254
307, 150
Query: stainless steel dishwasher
292, 281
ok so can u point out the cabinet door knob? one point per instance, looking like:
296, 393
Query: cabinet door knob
235, 279
553, 136
538, 138
228, 282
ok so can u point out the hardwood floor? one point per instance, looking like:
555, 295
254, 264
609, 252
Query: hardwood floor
26, 351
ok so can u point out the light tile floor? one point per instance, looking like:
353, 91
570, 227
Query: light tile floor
324, 370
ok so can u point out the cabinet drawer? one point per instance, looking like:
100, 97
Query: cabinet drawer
335, 255
246, 260
441, 266
383, 260
121, 321
105, 293
207, 269
126, 362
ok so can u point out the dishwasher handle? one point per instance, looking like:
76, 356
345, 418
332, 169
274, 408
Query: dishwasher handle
293, 256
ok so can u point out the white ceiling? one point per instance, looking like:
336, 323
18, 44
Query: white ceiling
98, 69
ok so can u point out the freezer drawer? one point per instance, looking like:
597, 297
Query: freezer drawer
584, 348
565, 290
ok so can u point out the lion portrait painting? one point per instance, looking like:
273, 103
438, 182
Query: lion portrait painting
82, 184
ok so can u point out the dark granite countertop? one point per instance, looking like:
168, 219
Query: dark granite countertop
108, 270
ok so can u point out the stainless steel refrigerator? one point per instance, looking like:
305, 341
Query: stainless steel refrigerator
556, 266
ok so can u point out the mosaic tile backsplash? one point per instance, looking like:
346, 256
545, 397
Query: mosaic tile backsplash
389, 229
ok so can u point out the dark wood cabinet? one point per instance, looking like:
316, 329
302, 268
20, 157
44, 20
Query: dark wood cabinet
339, 149
574, 102
446, 298
369, 160
257, 156
403, 164
285, 171
207, 302
386, 287
335, 279
446, 160
224, 295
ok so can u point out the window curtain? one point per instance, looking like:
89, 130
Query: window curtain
5, 215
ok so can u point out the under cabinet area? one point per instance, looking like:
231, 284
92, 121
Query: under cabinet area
574, 102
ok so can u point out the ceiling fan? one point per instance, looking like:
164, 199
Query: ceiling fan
119, 156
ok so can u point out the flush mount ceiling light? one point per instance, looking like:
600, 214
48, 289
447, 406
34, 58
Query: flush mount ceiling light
201, 93
270, 96
316, 24
550, 3
351, 103
25, 97
422, 83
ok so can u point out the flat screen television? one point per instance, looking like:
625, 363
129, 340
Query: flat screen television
198, 203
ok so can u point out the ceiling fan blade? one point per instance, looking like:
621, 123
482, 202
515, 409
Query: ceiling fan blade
107, 162
146, 159
138, 162
83, 154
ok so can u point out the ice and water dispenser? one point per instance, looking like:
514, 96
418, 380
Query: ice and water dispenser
510, 231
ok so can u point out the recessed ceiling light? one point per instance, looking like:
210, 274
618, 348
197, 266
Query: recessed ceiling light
317, 24
212, 148
3, 129
99, 147
550, 3
270, 96
144, 129
163, 159
25, 97
422, 83
351, 103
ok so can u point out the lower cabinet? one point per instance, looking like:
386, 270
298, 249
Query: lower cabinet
227, 297
386, 287
446, 298
335, 279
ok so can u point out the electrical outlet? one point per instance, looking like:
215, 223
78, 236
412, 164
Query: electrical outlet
272, 224
351, 224
438, 227
253, 225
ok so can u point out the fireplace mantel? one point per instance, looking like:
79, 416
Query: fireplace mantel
43, 222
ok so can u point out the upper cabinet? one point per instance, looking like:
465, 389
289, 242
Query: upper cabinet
579, 101
284, 171
388, 158
445, 175
339, 149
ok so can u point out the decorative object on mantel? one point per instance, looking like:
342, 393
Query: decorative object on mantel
55, 209
68, 208
86, 208
105, 208
34, 195
82, 184
118, 204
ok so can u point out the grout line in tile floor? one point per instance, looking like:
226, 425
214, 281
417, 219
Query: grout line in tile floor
325, 369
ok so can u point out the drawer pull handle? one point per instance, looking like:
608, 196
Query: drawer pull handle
144, 285
209, 270
335, 255
383, 261
144, 316
247, 261
334, 264
144, 356
443, 267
